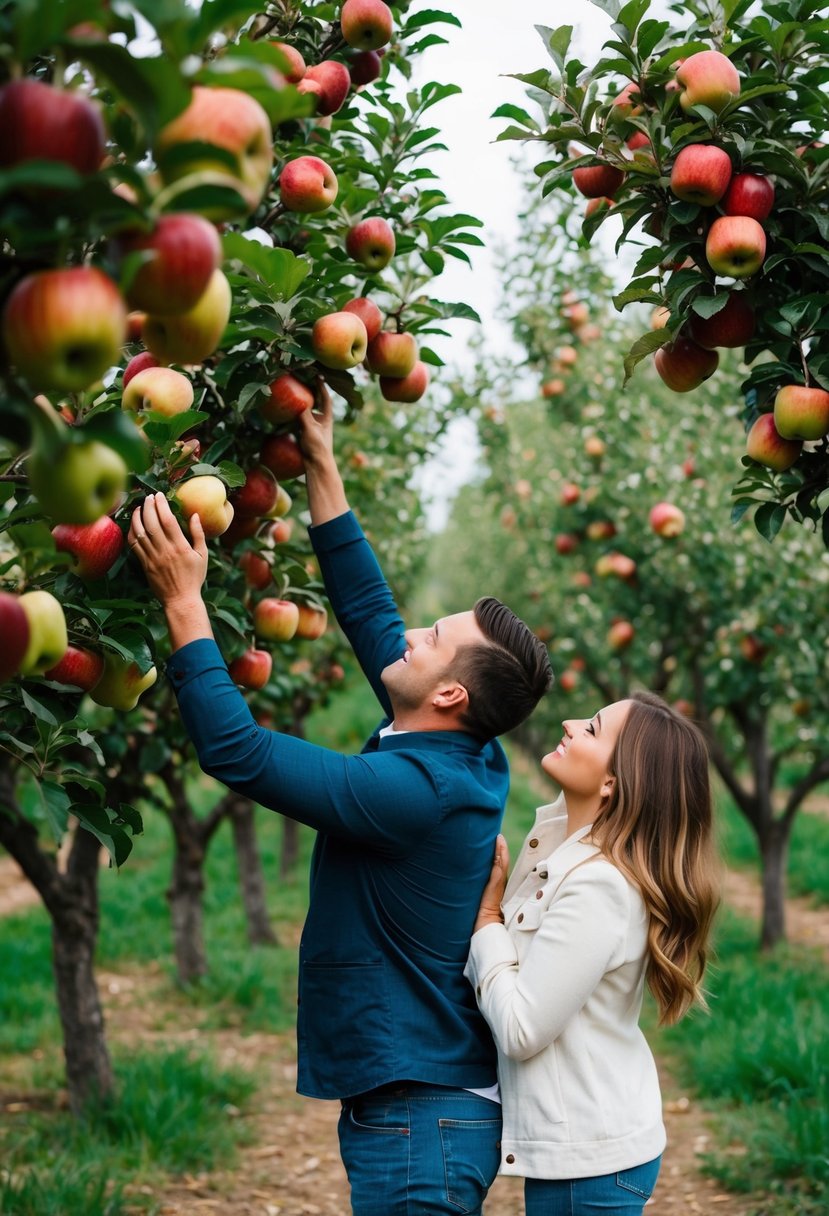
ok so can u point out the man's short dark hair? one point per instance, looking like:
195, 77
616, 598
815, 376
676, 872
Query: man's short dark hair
506, 677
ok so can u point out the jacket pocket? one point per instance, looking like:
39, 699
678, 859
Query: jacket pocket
346, 1018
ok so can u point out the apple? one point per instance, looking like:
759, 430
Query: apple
282, 505
766, 445
365, 67
566, 542
749, 194
637, 141
251, 669
84, 482
752, 649
666, 520
294, 68
47, 632
312, 623
391, 354
14, 635
206, 496
122, 683
406, 389
181, 252
553, 388
307, 184
595, 447
366, 24
330, 83
283, 456
708, 78
618, 564
257, 571
600, 529
276, 620
186, 452
39, 122
568, 680
138, 363
620, 635
701, 173
732, 326
281, 531
240, 529
369, 314
683, 365
371, 243
191, 336
63, 328
578, 313
287, 399
735, 246
570, 494
594, 204
339, 340
229, 119
801, 412
258, 495
597, 181
135, 324
95, 547
79, 667
159, 389
660, 318
580, 578
627, 103
567, 356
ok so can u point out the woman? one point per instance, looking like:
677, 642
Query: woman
614, 887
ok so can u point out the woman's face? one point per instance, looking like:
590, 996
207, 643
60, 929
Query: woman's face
580, 762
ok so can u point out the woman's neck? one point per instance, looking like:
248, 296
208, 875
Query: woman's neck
581, 812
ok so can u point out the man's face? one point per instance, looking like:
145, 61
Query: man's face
426, 665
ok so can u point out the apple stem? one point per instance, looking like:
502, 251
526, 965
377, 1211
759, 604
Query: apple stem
804, 364
273, 215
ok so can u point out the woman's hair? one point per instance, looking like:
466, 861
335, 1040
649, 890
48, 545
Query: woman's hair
656, 827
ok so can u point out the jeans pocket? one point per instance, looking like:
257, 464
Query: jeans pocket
641, 1180
379, 1115
471, 1156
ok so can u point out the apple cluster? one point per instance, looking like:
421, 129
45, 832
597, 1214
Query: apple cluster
575, 316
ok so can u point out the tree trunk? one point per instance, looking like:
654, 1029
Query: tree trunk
74, 936
774, 852
187, 911
251, 873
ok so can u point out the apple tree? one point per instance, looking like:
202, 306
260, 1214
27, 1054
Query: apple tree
702, 132
599, 516
206, 214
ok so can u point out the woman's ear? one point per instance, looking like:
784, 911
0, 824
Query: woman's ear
607, 786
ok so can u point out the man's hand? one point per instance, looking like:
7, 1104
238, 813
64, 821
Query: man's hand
175, 569
490, 912
326, 493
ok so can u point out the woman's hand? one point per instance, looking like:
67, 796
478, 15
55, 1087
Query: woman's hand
174, 567
489, 912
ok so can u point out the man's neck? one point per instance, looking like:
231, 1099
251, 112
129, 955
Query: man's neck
417, 719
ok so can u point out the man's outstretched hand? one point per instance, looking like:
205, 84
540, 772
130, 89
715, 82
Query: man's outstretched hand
326, 493
174, 567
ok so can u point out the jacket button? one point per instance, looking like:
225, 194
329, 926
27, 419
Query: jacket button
520, 917
538, 894
533, 843
510, 1159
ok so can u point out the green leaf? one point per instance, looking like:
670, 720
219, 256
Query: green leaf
118, 431
152, 87
280, 269
769, 519
37, 710
642, 347
55, 803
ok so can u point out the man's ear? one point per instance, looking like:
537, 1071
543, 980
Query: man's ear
451, 696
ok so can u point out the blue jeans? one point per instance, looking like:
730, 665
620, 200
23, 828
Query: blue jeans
624, 1193
411, 1149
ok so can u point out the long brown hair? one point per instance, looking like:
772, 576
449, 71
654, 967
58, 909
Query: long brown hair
656, 827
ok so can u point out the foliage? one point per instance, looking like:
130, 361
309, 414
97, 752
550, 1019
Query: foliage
774, 127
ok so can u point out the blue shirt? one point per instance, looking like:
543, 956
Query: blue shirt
406, 833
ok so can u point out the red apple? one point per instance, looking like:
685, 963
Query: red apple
95, 547
257, 496
63, 328
365, 67
294, 68
620, 635
566, 356
14, 635
312, 622
366, 24
307, 184
138, 363
369, 314
181, 252
189, 337
566, 542
283, 456
595, 447
801, 412
287, 399
334, 83
666, 520
735, 246
637, 141
600, 529
281, 531
701, 173
275, 619
240, 529
683, 365
39, 122
568, 680
597, 181
766, 445
258, 572
576, 314
732, 326
159, 390
232, 120
79, 667
570, 494
749, 194
627, 103
371, 243
752, 649
553, 388
339, 340
391, 354
709, 79
406, 389
251, 669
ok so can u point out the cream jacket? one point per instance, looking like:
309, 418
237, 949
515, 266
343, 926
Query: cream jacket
561, 986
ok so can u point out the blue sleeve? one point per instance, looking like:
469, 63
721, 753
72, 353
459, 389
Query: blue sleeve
386, 800
360, 597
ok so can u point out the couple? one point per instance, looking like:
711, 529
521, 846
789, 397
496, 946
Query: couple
397, 1011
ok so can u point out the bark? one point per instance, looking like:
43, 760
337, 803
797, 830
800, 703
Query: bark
251, 872
775, 851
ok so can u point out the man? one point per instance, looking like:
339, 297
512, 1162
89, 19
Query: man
386, 1022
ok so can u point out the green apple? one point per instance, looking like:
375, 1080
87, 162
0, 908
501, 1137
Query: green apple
122, 683
84, 482
206, 496
276, 620
801, 412
709, 79
191, 336
48, 639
